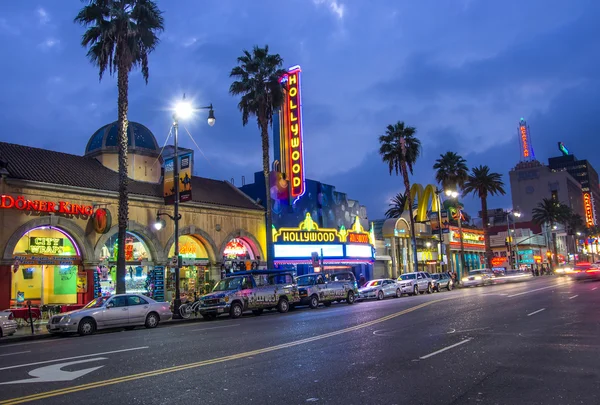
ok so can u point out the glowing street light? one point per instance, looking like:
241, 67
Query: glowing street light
184, 109
455, 194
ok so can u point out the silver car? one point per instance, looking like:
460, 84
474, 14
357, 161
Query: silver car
415, 283
117, 311
8, 325
477, 278
380, 289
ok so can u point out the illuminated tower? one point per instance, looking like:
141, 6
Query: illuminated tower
525, 145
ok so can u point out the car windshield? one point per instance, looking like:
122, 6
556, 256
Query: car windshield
307, 280
436, 276
228, 284
408, 276
97, 303
373, 283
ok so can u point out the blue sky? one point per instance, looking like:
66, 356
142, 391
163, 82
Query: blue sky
461, 71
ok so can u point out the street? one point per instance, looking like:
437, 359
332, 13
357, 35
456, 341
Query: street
533, 342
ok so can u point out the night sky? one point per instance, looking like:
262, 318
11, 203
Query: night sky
463, 72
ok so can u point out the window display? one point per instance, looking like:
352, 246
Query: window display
194, 273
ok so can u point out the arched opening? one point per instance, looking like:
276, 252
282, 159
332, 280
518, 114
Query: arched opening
239, 254
194, 273
46, 268
138, 265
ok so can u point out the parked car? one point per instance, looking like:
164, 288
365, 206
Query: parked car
415, 283
441, 281
8, 325
254, 291
120, 310
327, 287
477, 278
380, 289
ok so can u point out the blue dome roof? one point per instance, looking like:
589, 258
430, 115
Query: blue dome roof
139, 139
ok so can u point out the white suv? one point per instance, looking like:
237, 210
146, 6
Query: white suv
414, 283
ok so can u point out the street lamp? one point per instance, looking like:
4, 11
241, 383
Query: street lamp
454, 194
183, 110
516, 214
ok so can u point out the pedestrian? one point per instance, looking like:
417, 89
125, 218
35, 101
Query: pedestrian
362, 280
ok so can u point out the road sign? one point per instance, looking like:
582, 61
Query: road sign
54, 373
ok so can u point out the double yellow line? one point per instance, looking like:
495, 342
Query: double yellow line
119, 380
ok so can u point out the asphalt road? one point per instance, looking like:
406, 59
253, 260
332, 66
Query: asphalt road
528, 343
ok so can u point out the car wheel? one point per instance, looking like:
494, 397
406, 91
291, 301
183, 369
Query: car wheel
152, 320
327, 303
380, 295
416, 290
283, 306
257, 312
429, 289
314, 302
87, 326
350, 298
398, 293
236, 310
437, 288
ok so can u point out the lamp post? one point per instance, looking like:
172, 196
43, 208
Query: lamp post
516, 214
441, 232
182, 110
454, 194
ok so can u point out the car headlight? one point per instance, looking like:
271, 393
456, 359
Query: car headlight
226, 299
478, 277
66, 319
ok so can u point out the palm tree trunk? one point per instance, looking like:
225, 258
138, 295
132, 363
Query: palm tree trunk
413, 234
264, 126
486, 236
554, 244
123, 83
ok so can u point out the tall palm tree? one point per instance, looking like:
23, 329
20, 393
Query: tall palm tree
257, 81
400, 149
483, 183
397, 204
551, 212
119, 37
451, 171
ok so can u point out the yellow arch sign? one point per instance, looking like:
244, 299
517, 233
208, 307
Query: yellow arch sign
423, 196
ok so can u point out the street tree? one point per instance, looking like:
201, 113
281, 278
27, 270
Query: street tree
119, 36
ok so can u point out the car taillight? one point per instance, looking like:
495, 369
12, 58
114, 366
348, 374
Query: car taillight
592, 271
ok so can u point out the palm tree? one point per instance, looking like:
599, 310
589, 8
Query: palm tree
119, 37
257, 81
400, 148
451, 171
397, 204
482, 183
550, 212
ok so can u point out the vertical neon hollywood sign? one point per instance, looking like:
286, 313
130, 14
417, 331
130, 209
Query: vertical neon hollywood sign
588, 206
294, 132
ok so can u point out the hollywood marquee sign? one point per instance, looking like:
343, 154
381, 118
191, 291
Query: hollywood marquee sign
309, 232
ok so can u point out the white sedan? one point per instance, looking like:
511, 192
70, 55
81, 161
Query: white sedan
8, 325
117, 311
380, 289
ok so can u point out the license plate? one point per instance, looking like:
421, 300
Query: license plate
220, 310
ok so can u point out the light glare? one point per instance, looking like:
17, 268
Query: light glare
184, 110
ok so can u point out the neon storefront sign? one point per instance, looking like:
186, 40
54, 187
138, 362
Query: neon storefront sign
293, 131
62, 207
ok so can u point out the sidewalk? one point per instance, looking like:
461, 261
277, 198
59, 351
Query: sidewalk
23, 333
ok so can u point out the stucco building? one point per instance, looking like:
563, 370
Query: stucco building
58, 224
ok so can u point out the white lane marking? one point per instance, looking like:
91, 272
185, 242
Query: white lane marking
215, 327
54, 373
466, 330
594, 288
575, 296
12, 354
74, 357
537, 289
536, 312
462, 342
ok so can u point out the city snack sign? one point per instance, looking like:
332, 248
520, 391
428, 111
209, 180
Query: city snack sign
292, 117
46, 246
309, 232
60, 207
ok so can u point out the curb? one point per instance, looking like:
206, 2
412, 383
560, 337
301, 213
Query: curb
39, 336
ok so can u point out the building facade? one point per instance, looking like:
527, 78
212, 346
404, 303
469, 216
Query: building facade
58, 224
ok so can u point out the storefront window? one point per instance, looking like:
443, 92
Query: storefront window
136, 267
46, 264
238, 256
194, 274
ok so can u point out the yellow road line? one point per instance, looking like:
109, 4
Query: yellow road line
118, 380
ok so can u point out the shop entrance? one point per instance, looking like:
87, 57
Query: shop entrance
238, 255
46, 265
137, 265
194, 274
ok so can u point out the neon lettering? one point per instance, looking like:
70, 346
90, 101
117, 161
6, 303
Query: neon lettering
7, 202
589, 209
64, 207
293, 132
